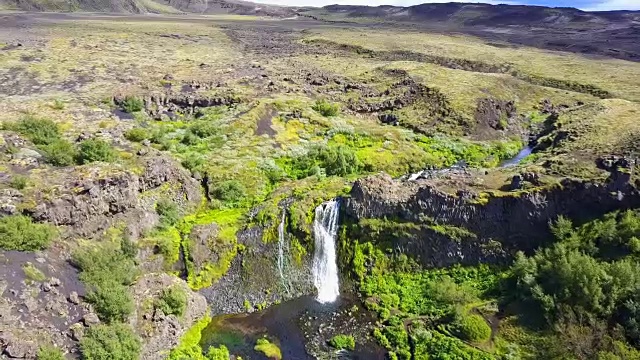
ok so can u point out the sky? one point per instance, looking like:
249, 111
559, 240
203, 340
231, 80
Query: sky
591, 5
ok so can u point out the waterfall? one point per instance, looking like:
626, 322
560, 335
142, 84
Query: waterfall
281, 246
325, 268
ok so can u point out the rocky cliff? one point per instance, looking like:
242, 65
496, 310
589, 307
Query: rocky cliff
442, 229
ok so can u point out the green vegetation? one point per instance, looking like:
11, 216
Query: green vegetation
95, 150
346, 342
168, 211
136, 135
18, 182
189, 346
110, 342
50, 352
18, 232
471, 327
323, 160
172, 301
132, 104
326, 108
59, 153
32, 273
107, 271
269, 349
230, 192
39, 131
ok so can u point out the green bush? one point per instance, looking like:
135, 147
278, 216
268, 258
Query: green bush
132, 104
331, 160
110, 342
39, 131
168, 211
111, 300
192, 161
18, 232
33, 273
218, 353
59, 153
326, 108
136, 135
230, 191
95, 150
49, 352
190, 139
346, 342
472, 327
103, 264
172, 301
18, 182
203, 129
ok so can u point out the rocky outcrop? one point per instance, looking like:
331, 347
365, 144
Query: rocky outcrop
497, 114
493, 227
93, 201
159, 332
168, 106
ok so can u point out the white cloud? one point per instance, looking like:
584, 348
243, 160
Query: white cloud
615, 5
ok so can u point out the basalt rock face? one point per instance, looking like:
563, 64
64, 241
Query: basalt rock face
494, 227
94, 201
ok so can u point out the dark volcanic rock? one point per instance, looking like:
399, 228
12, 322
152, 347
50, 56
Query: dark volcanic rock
495, 113
495, 226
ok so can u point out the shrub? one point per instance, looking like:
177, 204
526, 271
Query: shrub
230, 191
192, 161
59, 153
472, 327
203, 129
95, 150
132, 104
346, 342
18, 232
190, 139
111, 300
168, 211
110, 342
326, 108
173, 301
39, 131
49, 352
218, 353
58, 104
18, 182
333, 161
136, 135
272, 351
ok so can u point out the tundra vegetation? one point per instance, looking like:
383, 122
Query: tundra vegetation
253, 123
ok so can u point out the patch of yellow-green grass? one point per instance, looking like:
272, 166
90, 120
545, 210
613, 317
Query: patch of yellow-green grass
621, 78
269, 349
189, 345
32, 273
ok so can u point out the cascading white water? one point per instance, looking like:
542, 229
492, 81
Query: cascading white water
325, 267
281, 246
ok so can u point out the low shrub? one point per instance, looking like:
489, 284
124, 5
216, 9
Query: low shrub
59, 153
18, 182
326, 108
472, 327
39, 131
33, 273
203, 129
50, 352
111, 300
110, 342
346, 342
95, 150
172, 301
132, 104
136, 135
19, 232
168, 211
230, 191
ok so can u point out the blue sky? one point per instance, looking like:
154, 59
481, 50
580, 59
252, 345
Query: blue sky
595, 5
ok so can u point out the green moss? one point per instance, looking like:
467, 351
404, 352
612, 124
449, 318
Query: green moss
270, 350
340, 342
189, 346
